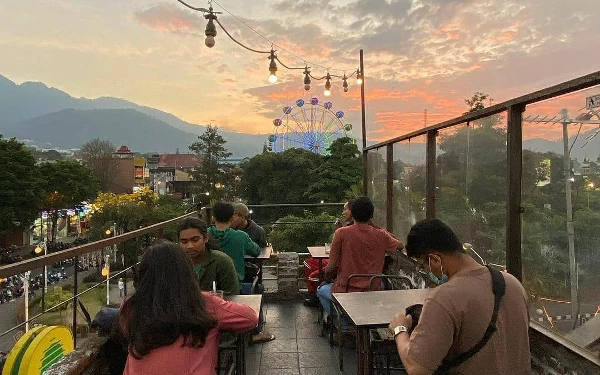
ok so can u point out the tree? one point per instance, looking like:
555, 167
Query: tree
339, 170
280, 177
97, 154
66, 184
306, 230
210, 176
477, 102
20, 187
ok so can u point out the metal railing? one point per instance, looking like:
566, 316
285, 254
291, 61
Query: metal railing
383, 154
74, 253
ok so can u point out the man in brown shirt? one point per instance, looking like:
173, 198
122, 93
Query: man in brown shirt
457, 313
358, 248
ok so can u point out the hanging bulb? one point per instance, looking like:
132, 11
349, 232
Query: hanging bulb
327, 92
273, 68
359, 77
306, 79
327, 85
211, 29
345, 84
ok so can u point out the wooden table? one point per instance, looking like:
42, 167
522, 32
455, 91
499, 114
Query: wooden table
255, 302
369, 310
318, 252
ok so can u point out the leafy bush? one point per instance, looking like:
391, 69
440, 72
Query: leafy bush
310, 230
57, 296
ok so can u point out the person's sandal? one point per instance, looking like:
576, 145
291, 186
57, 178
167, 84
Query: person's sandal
262, 337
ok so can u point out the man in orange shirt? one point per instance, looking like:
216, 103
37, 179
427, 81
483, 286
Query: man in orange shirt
358, 248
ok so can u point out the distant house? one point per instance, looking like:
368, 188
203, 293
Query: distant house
171, 173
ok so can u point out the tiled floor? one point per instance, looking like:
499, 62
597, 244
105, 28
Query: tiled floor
298, 349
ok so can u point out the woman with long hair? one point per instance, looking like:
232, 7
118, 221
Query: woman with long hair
172, 327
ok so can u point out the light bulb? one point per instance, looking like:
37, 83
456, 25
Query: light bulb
273, 78
38, 250
307, 87
359, 80
346, 89
209, 41
327, 92
105, 271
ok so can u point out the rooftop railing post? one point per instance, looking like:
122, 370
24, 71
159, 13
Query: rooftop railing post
514, 149
430, 174
75, 299
390, 187
365, 168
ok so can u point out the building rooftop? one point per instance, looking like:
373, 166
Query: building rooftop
179, 160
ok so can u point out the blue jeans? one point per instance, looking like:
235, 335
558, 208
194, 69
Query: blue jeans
324, 295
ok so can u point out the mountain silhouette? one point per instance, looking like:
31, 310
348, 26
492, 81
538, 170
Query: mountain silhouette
53, 118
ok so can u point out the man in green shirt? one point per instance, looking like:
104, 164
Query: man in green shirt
210, 265
235, 243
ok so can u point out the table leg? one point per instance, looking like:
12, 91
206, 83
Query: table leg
363, 351
259, 263
240, 366
321, 320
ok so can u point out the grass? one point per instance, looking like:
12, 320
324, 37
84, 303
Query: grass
92, 300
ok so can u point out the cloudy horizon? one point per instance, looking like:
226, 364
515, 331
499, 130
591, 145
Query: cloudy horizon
419, 55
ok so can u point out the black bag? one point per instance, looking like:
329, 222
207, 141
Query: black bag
498, 288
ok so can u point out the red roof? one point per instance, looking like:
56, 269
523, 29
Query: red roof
179, 160
123, 150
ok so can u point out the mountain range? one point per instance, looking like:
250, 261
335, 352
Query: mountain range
51, 118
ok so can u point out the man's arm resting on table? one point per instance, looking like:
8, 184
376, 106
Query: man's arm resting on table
411, 367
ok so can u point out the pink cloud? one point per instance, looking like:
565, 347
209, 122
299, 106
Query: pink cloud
167, 17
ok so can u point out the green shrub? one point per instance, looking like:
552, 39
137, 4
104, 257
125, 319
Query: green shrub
57, 296
311, 230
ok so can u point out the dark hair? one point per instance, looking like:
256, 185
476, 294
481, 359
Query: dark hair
192, 223
362, 209
223, 212
431, 234
167, 303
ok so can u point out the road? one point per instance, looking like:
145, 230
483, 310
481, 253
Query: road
8, 310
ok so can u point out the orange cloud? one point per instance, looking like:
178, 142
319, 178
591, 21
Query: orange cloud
167, 17
451, 31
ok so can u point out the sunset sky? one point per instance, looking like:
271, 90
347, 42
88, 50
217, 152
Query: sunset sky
419, 54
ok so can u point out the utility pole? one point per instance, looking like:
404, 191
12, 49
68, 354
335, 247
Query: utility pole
570, 228
566, 121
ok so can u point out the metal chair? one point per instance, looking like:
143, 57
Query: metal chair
337, 314
383, 348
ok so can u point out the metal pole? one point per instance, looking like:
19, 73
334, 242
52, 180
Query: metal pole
75, 299
430, 175
514, 151
363, 125
26, 294
107, 260
570, 228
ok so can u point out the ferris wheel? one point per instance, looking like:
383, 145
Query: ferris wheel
309, 125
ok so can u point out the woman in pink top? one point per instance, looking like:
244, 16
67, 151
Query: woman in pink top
172, 327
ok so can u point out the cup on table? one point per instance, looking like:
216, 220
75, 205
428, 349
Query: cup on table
327, 247
218, 293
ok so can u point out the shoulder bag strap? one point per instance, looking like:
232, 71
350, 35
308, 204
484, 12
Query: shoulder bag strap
499, 288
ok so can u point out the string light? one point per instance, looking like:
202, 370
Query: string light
211, 33
327, 84
273, 68
306, 78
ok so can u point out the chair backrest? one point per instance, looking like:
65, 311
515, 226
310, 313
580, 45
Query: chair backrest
387, 278
360, 275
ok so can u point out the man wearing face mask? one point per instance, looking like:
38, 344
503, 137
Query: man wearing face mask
458, 313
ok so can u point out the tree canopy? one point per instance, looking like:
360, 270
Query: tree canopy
97, 154
66, 184
20, 186
211, 176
